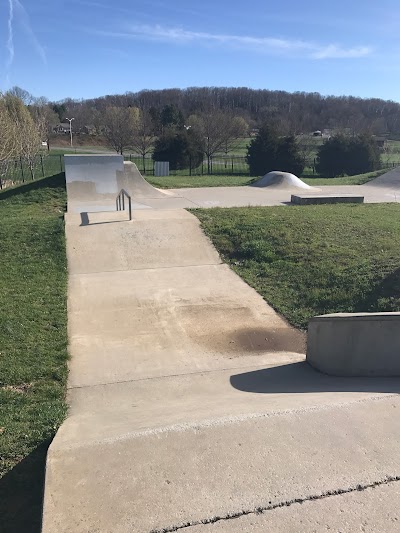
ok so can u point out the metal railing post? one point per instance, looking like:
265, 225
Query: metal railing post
120, 202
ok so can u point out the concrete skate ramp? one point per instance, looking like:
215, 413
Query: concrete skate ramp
93, 182
92, 177
131, 179
281, 180
391, 180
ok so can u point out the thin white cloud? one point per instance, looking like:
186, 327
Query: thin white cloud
267, 45
337, 52
10, 40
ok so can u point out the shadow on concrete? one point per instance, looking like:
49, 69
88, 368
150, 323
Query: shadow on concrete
302, 378
85, 220
21, 494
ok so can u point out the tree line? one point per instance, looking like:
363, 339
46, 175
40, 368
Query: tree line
296, 113
183, 140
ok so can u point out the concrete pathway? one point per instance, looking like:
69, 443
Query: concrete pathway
192, 406
189, 396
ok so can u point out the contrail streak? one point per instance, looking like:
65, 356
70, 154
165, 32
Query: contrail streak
10, 40
24, 20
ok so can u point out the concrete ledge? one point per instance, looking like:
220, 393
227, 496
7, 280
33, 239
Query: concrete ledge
355, 344
308, 199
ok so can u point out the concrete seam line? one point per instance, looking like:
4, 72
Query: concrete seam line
222, 421
286, 503
140, 269
171, 376
191, 201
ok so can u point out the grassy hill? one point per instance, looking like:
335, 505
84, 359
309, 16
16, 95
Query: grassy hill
312, 260
33, 343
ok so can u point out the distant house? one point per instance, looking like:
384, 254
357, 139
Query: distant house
254, 132
317, 133
89, 129
63, 127
381, 142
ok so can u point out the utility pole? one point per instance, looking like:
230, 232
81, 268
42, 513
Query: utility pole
70, 127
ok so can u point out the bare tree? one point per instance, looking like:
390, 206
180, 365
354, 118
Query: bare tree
23, 95
31, 145
27, 132
44, 118
387, 152
8, 140
120, 126
219, 132
143, 137
307, 146
21, 135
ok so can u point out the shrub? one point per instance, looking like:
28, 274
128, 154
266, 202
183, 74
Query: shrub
182, 149
268, 151
341, 155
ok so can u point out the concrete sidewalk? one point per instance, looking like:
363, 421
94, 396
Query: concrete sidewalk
191, 401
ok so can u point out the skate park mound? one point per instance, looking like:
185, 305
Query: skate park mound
282, 180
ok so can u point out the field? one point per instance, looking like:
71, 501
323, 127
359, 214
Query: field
308, 143
177, 182
312, 260
220, 180
33, 343
226, 169
234, 164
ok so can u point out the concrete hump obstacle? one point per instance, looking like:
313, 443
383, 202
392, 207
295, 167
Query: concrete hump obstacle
355, 344
282, 180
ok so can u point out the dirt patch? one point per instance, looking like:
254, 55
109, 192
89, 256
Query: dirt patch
269, 340
19, 389
255, 340
237, 331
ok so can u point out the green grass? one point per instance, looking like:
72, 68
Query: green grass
358, 179
312, 260
33, 342
177, 182
216, 180
20, 173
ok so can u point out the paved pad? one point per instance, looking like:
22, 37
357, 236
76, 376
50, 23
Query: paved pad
162, 480
191, 402
370, 510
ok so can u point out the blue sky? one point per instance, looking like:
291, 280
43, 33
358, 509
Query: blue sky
88, 48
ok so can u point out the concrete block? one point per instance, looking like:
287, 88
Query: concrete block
355, 344
309, 199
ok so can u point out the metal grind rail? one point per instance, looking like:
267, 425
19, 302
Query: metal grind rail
120, 202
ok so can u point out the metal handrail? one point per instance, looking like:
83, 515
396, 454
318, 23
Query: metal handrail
120, 202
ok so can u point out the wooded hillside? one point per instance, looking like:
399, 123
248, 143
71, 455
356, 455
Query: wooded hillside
296, 112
